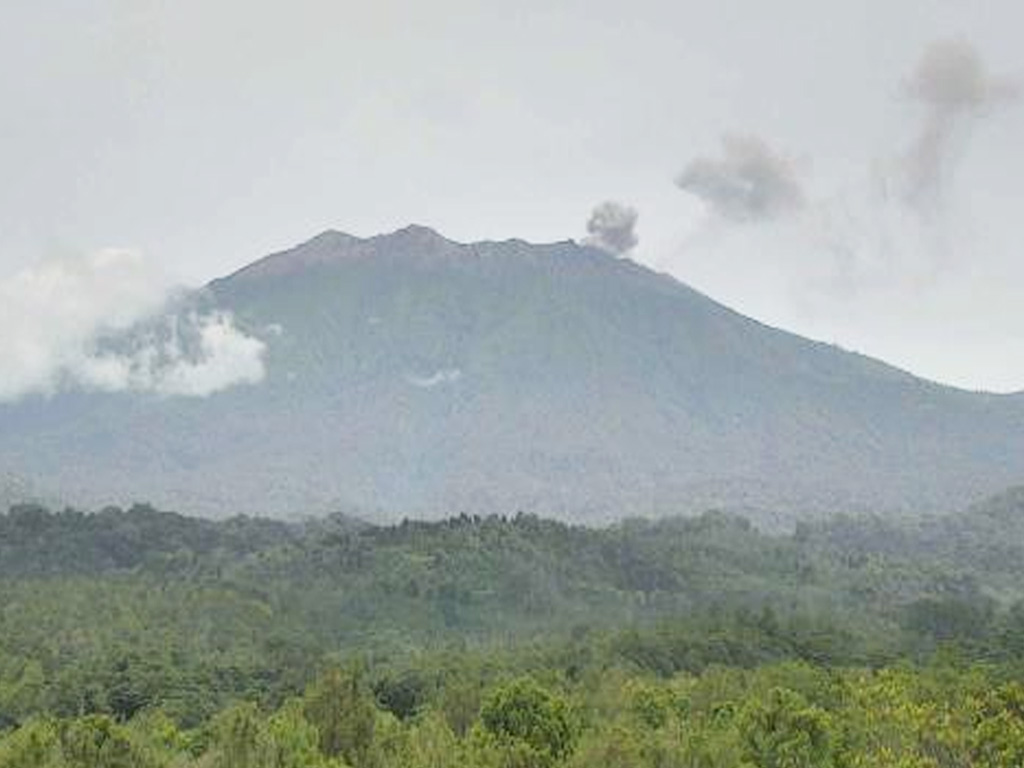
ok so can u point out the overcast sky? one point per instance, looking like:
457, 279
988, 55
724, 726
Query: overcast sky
206, 134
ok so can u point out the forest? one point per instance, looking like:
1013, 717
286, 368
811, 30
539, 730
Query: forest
142, 638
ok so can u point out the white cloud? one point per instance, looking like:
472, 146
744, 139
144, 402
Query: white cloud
64, 324
226, 358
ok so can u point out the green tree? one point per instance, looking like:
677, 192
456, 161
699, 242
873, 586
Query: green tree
238, 738
342, 709
530, 722
290, 741
432, 744
35, 745
782, 730
998, 735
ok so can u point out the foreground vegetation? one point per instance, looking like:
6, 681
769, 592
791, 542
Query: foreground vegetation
141, 638
794, 715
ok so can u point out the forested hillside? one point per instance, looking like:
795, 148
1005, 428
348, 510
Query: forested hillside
144, 638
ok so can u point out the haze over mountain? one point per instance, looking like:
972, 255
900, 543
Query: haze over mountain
408, 375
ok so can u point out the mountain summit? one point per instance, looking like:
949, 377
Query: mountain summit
412, 375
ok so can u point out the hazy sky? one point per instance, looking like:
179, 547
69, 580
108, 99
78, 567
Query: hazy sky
206, 134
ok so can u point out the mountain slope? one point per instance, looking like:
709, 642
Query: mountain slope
410, 375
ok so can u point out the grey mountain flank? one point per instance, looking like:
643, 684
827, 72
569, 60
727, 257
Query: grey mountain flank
408, 375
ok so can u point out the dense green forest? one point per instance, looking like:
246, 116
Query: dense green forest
143, 638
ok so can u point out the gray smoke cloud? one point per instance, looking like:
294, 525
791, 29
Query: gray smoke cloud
103, 322
749, 182
898, 228
955, 88
612, 228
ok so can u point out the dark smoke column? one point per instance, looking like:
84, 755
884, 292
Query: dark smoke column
954, 86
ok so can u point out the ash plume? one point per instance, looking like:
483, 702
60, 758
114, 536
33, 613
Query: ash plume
612, 228
956, 89
749, 182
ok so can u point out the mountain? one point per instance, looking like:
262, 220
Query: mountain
411, 375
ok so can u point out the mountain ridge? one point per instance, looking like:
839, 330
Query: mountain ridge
410, 375
283, 261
